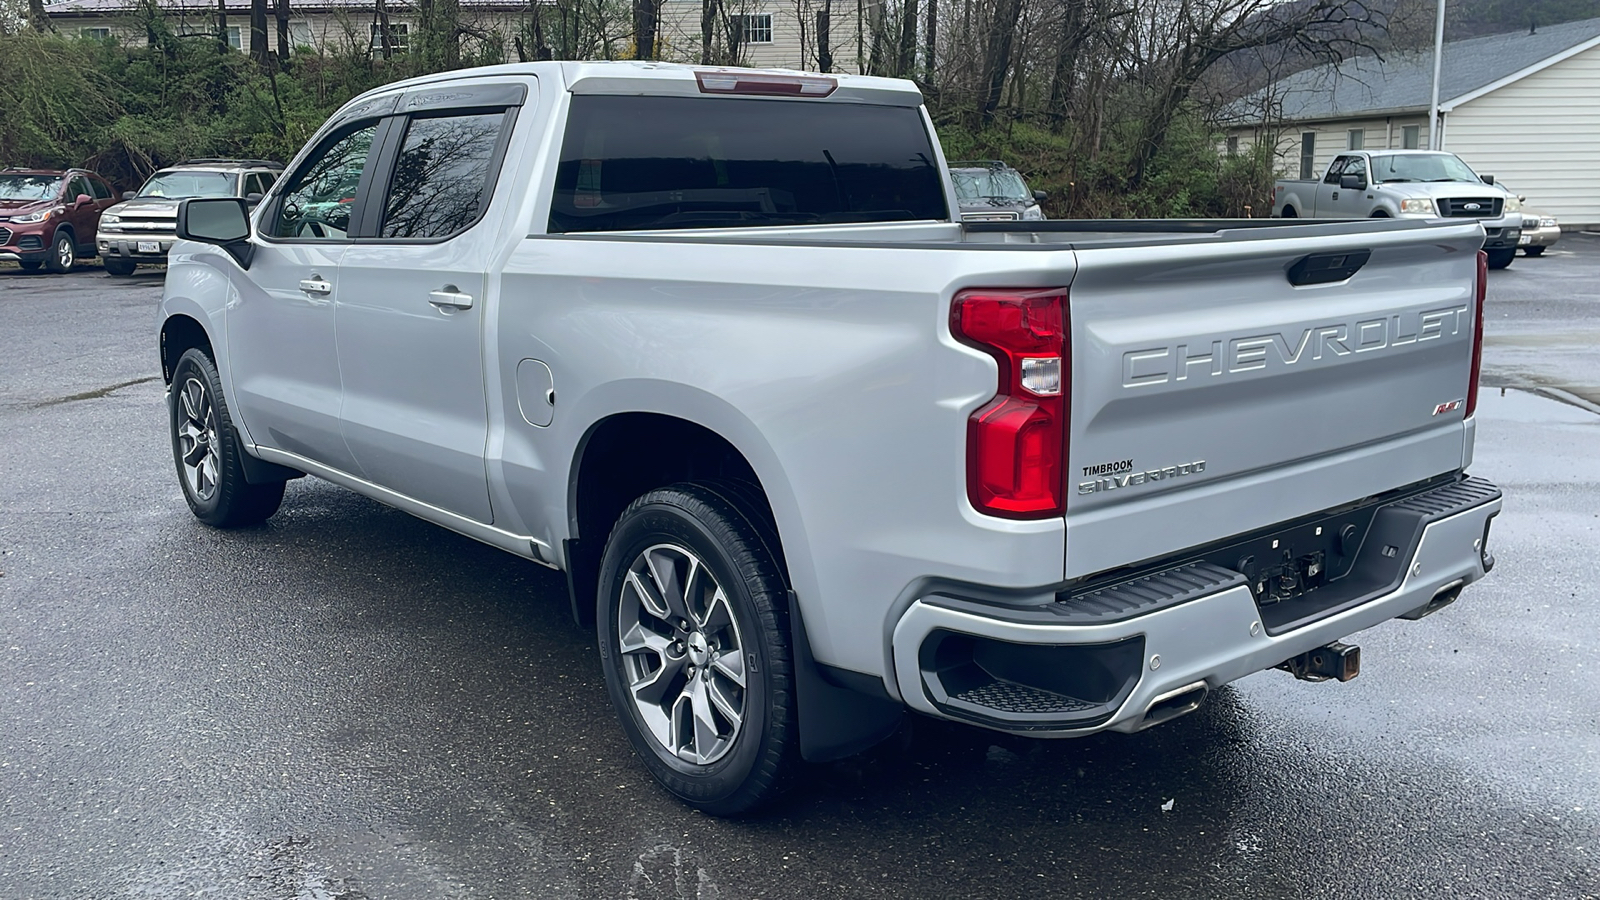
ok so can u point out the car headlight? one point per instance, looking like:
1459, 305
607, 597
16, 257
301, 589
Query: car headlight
1547, 222
110, 219
1513, 204
1423, 206
1033, 214
40, 216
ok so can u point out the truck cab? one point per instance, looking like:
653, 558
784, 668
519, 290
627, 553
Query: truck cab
1407, 183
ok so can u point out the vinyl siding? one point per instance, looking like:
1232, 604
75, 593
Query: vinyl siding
1540, 136
1332, 139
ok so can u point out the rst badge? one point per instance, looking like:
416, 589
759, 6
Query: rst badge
1443, 408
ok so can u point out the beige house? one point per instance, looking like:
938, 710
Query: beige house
1523, 107
772, 33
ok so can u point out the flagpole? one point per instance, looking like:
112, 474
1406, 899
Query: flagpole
1435, 132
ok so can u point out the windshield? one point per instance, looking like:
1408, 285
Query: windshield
188, 184
29, 187
977, 185
1421, 167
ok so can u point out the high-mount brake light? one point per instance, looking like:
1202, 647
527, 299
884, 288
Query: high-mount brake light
1016, 443
1477, 334
762, 84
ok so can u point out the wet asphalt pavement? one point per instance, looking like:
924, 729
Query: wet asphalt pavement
350, 703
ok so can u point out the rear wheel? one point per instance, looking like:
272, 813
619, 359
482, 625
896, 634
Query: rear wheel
1499, 259
694, 641
207, 451
1533, 251
116, 265
1289, 213
63, 254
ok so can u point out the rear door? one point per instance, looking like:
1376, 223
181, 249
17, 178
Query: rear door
1211, 396
411, 302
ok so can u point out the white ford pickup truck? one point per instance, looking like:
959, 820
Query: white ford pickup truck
810, 451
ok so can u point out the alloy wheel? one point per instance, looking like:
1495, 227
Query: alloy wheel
197, 438
682, 654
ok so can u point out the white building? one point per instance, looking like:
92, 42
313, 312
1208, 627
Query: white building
1523, 107
773, 33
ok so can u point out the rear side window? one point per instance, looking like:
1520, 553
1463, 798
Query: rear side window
441, 179
638, 163
102, 191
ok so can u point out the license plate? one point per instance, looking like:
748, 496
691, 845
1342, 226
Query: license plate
1524, 239
149, 246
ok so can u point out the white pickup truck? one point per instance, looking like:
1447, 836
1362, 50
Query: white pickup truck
810, 451
1424, 184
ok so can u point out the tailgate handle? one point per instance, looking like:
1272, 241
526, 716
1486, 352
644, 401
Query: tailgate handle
1326, 268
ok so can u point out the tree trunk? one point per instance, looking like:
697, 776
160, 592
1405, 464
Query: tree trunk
385, 39
284, 49
825, 36
930, 40
997, 59
708, 30
38, 18
861, 36
906, 61
260, 52
222, 26
1063, 83
644, 29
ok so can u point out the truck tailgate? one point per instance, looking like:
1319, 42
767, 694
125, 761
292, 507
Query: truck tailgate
1210, 396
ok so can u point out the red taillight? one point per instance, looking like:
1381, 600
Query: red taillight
1016, 443
723, 82
1477, 333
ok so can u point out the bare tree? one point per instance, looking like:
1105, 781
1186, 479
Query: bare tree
260, 52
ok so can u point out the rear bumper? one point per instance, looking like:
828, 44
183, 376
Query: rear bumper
122, 246
1174, 633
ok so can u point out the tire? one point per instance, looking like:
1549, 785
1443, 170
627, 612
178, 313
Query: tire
1499, 259
63, 253
718, 748
1533, 251
116, 265
206, 450
31, 265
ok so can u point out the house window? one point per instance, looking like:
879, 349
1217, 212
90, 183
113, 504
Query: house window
96, 34
1233, 145
1308, 155
235, 38
1356, 139
300, 34
399, 37
753, 29
1410, 137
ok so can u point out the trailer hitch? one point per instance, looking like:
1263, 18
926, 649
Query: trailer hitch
1333, 661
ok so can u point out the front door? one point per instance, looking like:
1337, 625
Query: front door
281, 341
410, 311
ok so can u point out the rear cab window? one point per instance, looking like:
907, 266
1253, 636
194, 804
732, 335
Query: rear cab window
632, 163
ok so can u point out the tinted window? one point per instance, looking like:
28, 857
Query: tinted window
321, 194
631, 163
442, 175
102, 191
79, 187
267, 180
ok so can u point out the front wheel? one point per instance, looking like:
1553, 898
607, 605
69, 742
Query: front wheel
116, 265
207, 452
694, 642
1499, 259
63, 254
1533, 251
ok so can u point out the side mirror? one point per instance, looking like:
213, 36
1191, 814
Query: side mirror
1041, 196
222, 221
253, 198
129, 195
1488, 179
1352, 182
83, 198
1522, 198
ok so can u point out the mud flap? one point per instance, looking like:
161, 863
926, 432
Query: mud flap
835, 722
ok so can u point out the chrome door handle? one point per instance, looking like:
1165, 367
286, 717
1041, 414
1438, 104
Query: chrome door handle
450, 299
315, 285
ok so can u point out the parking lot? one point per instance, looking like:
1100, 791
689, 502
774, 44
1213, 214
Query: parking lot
350, 703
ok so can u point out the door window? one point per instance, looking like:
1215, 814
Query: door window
322, 194
1356, 165
102, 191
79, 187
441, 179
1335, 170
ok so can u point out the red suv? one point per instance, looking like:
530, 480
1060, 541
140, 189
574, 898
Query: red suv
48, 217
